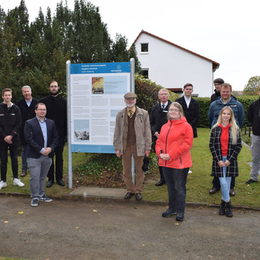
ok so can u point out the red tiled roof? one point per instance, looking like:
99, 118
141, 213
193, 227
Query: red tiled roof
215, 65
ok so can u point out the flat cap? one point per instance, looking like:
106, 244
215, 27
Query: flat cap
130, 95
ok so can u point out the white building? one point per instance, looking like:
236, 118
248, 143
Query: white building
172, 66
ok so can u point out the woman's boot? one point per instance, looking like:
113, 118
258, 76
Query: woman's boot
229, 209
222, 208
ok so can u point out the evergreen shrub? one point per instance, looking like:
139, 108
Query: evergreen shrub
147, 92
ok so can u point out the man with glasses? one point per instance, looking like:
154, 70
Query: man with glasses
158, 117
41, 137
132, 138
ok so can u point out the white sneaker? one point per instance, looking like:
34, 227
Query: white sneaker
2, 184
17, 182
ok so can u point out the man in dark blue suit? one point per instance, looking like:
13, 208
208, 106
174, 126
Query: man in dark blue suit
41, 136
27, 106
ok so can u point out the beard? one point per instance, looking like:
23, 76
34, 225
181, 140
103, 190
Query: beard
54, 93
130, 105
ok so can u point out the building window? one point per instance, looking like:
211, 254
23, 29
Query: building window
144, 47
145, 73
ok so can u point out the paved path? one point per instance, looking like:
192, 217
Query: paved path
76, 230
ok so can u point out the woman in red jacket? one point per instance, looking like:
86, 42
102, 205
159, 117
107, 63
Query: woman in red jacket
225, 145
173, 149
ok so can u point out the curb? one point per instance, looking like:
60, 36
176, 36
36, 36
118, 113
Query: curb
122, 201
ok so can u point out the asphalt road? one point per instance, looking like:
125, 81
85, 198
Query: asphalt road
78, 230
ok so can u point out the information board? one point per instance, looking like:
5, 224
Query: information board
96, 96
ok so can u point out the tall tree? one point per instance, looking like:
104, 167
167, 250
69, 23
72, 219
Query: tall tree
253, 86
35, 53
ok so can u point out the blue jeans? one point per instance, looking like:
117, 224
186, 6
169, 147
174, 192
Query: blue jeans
225, 183
176, 184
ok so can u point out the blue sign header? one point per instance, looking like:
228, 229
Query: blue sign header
92, 68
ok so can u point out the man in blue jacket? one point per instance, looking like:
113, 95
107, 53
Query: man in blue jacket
41, 137
226, 99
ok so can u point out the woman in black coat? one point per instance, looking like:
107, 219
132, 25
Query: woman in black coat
225, 145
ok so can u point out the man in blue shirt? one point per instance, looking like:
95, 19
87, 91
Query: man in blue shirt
41, 137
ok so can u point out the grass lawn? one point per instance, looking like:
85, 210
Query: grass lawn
199, 181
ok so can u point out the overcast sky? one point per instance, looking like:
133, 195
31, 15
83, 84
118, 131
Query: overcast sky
226, 31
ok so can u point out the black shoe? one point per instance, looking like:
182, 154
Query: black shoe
49, 184
60, 182
180, 216
129, 195
232, 192
229, 209
222, 208
213, 190
169, 213
138, 196
23, 173
160, 183
250, 181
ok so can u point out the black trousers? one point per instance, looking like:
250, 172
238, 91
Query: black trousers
4, 147
176, 184
162, 179
57, 164
216, 184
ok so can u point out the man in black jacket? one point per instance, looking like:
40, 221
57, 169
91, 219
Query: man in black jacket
217, 83
158, 117
253, 116
27, 107
10, 122
41, 137
57, 111
190, 107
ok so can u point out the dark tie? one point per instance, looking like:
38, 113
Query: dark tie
163, 106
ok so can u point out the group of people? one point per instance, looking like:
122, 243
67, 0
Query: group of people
169, 128
39, 128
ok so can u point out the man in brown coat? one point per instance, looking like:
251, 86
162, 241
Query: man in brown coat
132, 137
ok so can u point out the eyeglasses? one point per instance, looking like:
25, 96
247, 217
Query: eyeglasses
53, 86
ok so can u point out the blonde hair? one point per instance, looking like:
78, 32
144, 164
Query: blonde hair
233, 125
177, 105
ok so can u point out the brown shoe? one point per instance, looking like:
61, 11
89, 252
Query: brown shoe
23, 173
